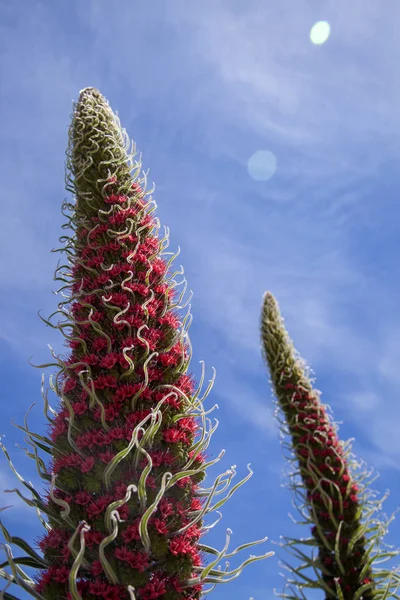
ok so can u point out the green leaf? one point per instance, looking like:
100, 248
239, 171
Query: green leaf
27, 561
8, 596
91, 484
17, 541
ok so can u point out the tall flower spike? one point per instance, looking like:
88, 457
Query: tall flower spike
329, 489
125, 508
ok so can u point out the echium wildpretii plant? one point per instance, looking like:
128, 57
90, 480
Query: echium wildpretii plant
125, 507
329, 488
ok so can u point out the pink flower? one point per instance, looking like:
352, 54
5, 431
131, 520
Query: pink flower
71, 460
113, 246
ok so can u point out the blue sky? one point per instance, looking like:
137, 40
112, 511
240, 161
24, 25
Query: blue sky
201, 87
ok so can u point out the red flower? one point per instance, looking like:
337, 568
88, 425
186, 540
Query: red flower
87, 464
96, 568
175, 435
116, 433
170, 320
196, 504
107, 456
109, 361
186, 384
142, 289
93, 537
119, 299
59, 427
180, 545
98, 506
115, 199
71, 460
126, 390
80, 407
188, 423
182, 483
99, 344
105, 381
120, 491
136, 560
61, 574
136, 188
69, 385
90, 359
160, 526
161, 457
168, 359
82, 498
154, 589
131, 533
166, 508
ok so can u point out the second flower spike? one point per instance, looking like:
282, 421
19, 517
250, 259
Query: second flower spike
327, 486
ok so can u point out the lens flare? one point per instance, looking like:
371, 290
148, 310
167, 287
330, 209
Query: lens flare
262, 165
320, 32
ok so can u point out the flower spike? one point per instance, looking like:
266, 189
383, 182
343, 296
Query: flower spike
125, 508
329, 488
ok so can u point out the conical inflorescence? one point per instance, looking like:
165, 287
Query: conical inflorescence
329, 492
125, 509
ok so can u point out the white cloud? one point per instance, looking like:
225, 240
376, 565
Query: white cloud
251, 408
248, 79
261, 61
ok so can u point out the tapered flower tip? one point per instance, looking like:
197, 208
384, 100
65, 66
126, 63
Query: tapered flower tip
89, 91
273, 333
270, 308
90, 98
